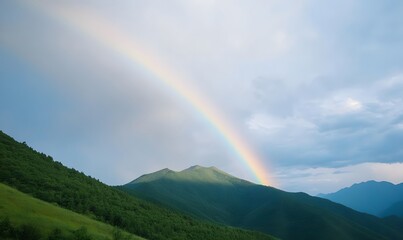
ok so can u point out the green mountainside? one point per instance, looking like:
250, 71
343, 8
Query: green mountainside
39, 176
194, 194
193, 174
211, 194
22, 209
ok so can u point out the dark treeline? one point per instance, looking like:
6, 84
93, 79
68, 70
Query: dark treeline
9, 231
38, 175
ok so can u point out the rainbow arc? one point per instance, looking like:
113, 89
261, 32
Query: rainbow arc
108, 35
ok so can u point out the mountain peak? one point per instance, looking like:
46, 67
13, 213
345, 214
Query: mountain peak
373, 182
194, 173
201, 168
195, 167
152, 176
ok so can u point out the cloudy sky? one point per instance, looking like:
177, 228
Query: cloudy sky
314, 87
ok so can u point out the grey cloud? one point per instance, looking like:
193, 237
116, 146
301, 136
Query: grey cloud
346, 130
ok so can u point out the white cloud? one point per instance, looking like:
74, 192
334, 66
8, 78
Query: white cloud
270, 125
340, 106
353, 105
399, 126
265, 124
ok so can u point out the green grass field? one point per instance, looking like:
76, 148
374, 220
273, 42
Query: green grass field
24, 209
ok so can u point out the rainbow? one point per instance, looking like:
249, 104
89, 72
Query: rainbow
101, 30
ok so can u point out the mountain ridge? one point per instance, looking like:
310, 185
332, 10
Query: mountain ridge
194, 173
372, 197
256, 207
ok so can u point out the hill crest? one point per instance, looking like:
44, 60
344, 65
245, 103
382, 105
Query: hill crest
193, 174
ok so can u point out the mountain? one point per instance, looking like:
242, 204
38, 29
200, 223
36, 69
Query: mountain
196, 186
22, 209
376, 198
211, 194
193, 174
394, 209
38, 175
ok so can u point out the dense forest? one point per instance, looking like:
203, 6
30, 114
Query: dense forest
40, 176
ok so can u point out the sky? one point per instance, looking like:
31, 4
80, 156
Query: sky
314, 88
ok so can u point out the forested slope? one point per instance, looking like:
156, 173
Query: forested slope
25, 217
38, 175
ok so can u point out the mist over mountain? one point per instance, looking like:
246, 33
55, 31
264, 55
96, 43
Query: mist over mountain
376, 198
211, 194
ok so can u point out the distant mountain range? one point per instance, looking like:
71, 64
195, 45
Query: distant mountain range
377, 198
211, 194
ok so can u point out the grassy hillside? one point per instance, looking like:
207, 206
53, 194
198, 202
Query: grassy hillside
24, 209
37, 174
217, 196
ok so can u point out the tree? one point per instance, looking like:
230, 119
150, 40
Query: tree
81, 234
6, 229
120, 235
29, 232
57, 234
